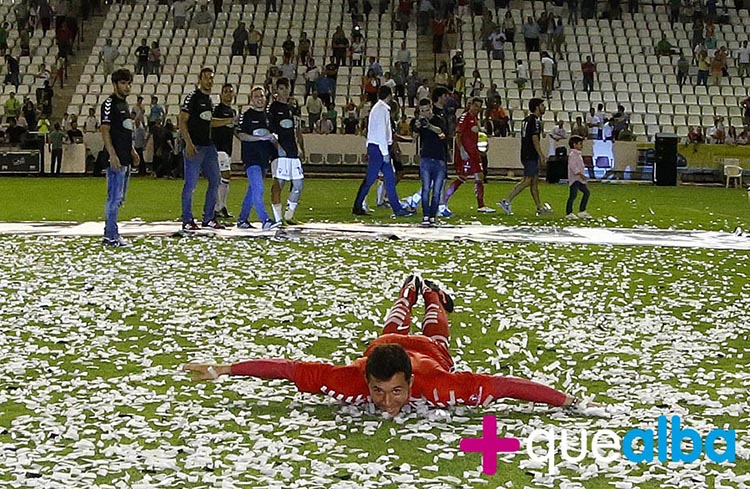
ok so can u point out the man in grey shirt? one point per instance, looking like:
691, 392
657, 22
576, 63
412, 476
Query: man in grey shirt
531, 35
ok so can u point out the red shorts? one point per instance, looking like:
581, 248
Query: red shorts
468, 167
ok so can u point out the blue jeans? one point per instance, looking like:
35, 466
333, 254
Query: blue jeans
574, 188
432, 174
377, 163
207, 159
117, 187
254, 195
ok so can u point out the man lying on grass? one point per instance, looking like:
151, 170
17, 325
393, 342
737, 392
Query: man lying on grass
398, 368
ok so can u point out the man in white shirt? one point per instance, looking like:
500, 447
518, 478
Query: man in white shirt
497, 41
594, 124
548, 74
743, 60
379, 140
91, 124
556, 135
423, 91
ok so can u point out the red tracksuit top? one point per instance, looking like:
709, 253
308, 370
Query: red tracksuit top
431, 369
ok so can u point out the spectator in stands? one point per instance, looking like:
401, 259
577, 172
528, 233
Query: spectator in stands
75, 135
531, 35
272, 74
548, 74
493, 96
312, 72
45, 104
4, 38
458, 64
138, 109
404, 14
370, 86
664, 47
620, 121
15, 133
572, 12
522, 75
442, 78
557, 37
141, 53
423, 91
403, 56
21, 9
413, 82
240, 37
325, 88
683, 68
717, 133
674, 11
594, 123
324, 126
332, 71
91, 124
589, 70
156, 112
108, 55
154, 60
731, 139
12, 107
695, 137
356, 52
29, 112
13, 75
703, 68
497, 45
588, 9
439, 25
288, 70
56, 139
555, 135
139, 144
203, 20
351, 118
718, 66
332, 115
579, 128
65, 123
304, 49
314, 110
339, 44
375, 66
65, 35
255, 37
743, 139
477, 86
509, 26
270, 6
745, 106
743, 61
179, 13
399, 93
404, 127
59, 71
459, 89
496, 119
288, 47
424, 16
544, 28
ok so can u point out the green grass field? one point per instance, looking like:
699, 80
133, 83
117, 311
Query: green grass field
91, 394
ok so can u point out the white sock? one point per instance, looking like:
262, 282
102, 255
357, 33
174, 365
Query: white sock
221, 200
290, 207
276, 212
379, 192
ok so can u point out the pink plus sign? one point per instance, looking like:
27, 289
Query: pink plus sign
490, 445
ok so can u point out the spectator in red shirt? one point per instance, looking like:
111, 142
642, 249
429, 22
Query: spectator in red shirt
589, 69
398, 368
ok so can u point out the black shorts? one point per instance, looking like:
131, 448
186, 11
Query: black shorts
530, 168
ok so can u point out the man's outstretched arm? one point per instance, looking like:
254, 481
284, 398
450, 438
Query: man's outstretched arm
264, 369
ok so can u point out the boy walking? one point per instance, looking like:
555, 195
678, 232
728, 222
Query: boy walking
577, 180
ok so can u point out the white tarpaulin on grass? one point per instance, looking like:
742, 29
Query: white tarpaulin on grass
538, 234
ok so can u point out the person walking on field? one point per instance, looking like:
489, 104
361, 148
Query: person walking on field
531, 159
577, 180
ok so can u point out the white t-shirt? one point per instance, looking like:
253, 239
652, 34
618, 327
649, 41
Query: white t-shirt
743, 54
522, 71
498, 41
548, 67
423, 92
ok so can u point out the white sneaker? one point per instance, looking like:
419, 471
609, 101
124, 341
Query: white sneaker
288, 214
585, 215
571, 216
486, 210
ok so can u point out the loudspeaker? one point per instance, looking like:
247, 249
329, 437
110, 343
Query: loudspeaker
665, 160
